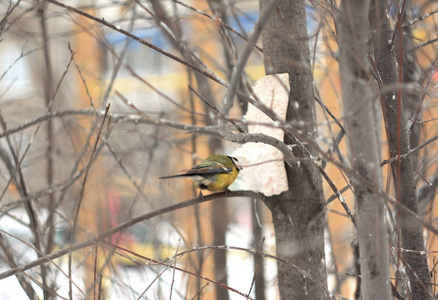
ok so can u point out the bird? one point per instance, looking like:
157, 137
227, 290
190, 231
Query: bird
215, 173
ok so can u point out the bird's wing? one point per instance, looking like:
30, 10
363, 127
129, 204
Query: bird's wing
203, 169
206, 168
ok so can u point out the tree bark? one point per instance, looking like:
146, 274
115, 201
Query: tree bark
399, 144
297, 216
364, 147
257, 243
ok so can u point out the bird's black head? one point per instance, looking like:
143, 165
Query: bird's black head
235, 162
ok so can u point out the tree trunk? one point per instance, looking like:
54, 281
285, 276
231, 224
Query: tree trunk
364, 147
399, 144
257, 243
298, 219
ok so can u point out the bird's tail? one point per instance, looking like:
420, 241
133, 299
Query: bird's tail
173, 176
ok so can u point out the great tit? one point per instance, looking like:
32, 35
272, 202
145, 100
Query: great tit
214, 173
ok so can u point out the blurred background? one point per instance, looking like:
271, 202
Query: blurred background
70, 172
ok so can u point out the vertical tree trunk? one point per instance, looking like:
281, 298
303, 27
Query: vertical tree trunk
219, 212
219, 218
399, 144
257, 243
298, 219
364, 147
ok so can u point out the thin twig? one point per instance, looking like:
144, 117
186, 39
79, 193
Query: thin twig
413, 151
